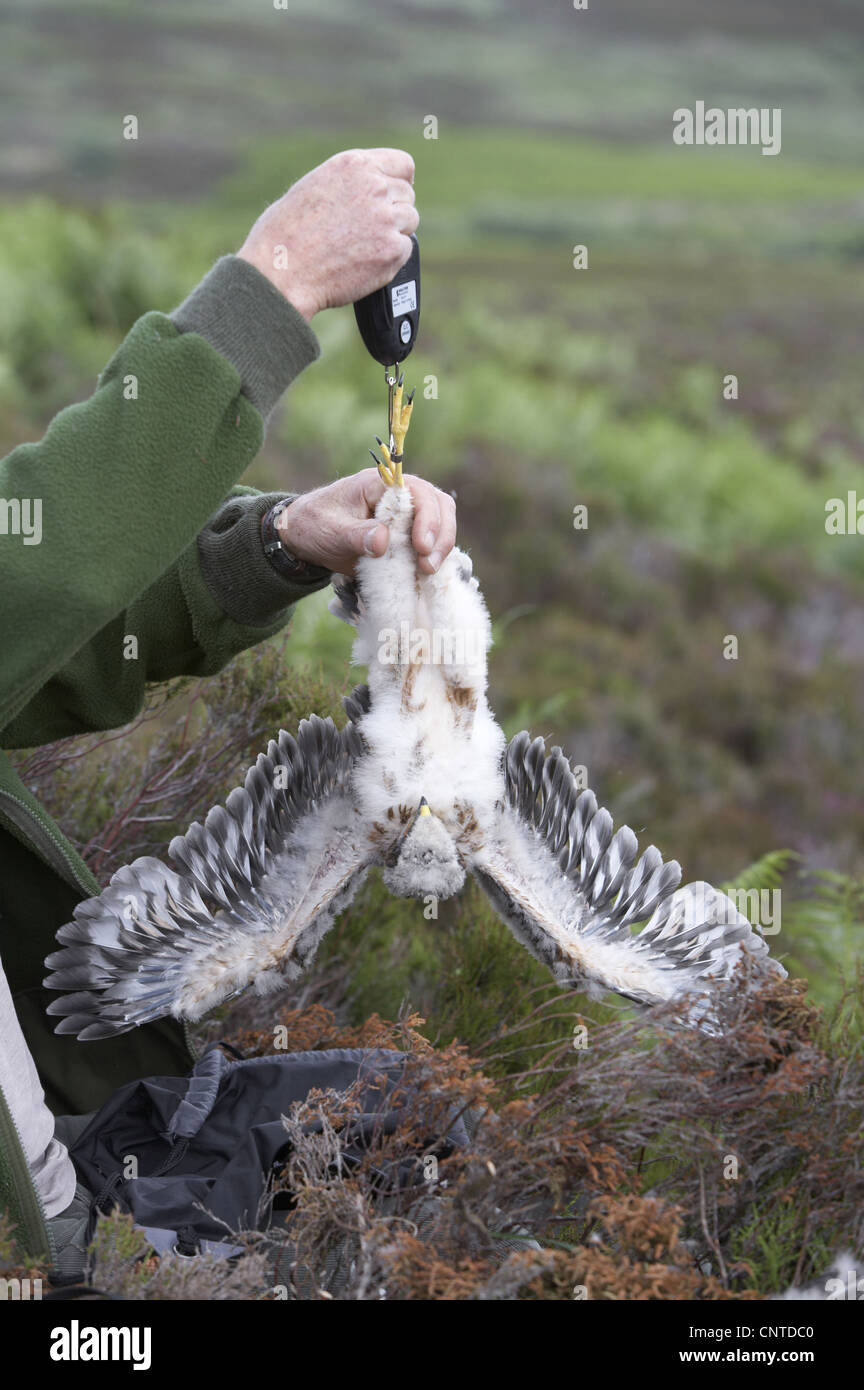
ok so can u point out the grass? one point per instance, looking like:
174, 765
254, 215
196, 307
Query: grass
539, 388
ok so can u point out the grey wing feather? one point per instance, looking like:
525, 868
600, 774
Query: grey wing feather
161, 940
573, 891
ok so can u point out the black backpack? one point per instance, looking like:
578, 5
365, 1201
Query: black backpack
192, 1158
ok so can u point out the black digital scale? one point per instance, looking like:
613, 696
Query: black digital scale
388, 318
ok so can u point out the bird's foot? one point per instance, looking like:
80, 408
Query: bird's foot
390, 469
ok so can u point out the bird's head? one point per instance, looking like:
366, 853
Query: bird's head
427, 862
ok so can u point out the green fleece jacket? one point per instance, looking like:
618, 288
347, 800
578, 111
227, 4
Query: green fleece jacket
144, 534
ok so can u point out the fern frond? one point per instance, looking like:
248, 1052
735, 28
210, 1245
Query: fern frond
764, 874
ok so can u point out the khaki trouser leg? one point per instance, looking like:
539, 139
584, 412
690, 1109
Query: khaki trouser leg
49, 1161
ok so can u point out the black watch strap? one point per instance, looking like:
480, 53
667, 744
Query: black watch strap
280, 558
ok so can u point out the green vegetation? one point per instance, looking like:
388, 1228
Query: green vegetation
632, 1123
540, 388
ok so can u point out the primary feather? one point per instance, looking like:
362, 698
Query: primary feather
421, 784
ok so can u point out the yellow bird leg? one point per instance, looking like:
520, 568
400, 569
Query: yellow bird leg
397, 435
407, 410
386, 470
390, 470
400, 419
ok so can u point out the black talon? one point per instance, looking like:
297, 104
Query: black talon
378, 440
401, 378
411, 397
376, 458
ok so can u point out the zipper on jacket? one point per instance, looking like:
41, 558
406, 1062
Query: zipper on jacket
191, 1046
35, 1238
49, 844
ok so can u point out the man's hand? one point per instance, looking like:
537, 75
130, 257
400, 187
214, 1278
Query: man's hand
340, 232
335, 524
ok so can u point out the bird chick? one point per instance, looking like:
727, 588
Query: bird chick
428, 862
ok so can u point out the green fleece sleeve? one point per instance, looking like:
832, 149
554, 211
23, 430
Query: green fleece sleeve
191, 621
245, 586
100, 521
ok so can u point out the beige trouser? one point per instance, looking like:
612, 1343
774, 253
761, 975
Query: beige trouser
50, 1164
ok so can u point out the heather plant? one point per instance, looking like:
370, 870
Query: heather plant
705, 517
121, 1263
126, 793
11, 1266
656, 1162
609, 1152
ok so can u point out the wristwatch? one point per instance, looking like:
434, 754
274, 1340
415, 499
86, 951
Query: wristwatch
288, 565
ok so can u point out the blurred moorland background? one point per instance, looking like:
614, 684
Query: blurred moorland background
555, 387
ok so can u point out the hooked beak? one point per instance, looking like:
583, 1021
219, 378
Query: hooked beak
396, 847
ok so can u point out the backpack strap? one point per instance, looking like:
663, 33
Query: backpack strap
200, 1097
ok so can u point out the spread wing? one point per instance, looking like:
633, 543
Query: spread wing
573, 892
254, 890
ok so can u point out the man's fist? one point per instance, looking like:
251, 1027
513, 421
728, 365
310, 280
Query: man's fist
334, 525
340, 232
